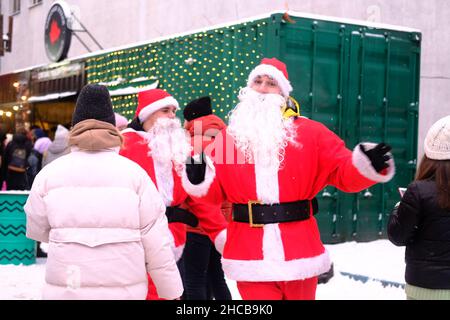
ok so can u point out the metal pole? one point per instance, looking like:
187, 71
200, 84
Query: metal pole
87, 48
87, 31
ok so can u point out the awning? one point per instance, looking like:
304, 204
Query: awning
52, 96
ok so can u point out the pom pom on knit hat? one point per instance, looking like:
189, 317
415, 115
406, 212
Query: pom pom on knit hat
197, 108
437, 140
94, 102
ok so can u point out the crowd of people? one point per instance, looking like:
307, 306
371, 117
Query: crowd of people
24, 155
161, 208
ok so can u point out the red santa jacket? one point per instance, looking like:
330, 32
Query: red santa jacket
291, 250
169, 185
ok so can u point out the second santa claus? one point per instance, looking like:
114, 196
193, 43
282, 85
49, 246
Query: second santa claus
156, 141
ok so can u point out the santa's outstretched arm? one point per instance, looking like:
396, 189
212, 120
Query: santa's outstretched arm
353, 171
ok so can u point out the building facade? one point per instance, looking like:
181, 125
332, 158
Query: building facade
109, 24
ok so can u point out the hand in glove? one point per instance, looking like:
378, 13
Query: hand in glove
195, 169
378, 155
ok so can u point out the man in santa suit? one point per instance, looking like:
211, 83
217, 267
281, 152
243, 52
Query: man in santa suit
156, 141
271, 163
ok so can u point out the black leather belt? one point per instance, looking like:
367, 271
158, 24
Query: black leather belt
260, 214
176, 214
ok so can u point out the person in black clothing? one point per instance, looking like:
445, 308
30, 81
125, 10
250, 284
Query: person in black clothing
35, 159
421, 221
204, 278
15, 162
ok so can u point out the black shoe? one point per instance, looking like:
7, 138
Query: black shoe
326, 276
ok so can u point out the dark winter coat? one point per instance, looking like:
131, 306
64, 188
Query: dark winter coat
424, 228
16, 180
35, 162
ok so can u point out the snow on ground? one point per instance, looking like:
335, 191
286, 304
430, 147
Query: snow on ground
363, 271
377, 266
22, 282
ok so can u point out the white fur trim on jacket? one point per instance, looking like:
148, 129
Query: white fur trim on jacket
164, 181
155, 106
143, 134
266, 69
127, 130
219, 241
267, 186
273, 248
364, 165
177, 251
276, 270
202, 188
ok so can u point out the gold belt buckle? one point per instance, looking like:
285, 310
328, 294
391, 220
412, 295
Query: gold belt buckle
250, 214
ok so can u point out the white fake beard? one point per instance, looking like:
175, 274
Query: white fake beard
168, 142
259, 129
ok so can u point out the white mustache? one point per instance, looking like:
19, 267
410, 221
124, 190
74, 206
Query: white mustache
255, 96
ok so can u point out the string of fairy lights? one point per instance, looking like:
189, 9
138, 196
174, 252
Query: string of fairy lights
214, 63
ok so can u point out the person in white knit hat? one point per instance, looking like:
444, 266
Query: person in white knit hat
421, 221
59, 146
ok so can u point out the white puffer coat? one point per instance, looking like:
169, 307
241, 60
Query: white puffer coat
106, 227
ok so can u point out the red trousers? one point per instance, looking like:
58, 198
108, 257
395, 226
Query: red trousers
279, 290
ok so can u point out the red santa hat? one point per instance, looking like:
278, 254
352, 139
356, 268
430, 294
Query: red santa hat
275, 69
152, 100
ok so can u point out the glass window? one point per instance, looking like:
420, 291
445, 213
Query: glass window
35, 2
15, 6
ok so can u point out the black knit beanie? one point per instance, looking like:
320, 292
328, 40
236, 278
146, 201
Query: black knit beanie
94, 102
197, 108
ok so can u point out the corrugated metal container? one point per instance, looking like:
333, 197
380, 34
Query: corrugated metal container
360, 80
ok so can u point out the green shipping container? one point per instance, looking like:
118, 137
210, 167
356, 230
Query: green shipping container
360, 80
15, 247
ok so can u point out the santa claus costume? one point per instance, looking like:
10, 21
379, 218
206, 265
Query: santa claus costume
161, 152
271, 167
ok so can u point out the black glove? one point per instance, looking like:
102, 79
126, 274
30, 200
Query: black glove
195, 170
378, 155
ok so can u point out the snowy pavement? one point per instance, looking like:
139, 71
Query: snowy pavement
363, 271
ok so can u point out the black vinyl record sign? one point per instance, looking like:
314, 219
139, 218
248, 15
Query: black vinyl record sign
57, 33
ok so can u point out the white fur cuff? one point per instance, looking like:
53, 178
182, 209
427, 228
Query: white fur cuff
364, 165
201, 189
219, 241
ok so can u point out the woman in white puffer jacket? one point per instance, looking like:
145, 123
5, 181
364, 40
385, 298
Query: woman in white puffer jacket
101, 214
